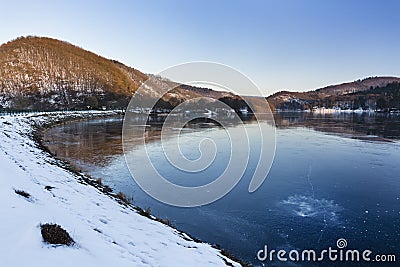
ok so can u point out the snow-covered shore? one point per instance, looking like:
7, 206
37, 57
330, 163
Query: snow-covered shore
106, 232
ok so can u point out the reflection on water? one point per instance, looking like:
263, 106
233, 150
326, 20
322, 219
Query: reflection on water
89, 142
81, 141
364, 126
321, 187
95, 142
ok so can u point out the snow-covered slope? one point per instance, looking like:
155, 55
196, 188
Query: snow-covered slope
106, 233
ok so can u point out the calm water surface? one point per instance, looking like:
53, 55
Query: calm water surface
334, 176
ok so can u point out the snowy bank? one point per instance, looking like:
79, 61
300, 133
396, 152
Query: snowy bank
106, 232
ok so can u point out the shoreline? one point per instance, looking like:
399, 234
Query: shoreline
37, 124
336, 111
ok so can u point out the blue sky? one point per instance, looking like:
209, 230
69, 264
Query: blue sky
280, 45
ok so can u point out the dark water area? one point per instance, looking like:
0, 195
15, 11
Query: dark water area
334, 176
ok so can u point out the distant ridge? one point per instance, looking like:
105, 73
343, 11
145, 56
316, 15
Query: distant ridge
356, 86
363, 93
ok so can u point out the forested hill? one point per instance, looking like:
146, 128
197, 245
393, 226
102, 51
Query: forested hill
45, 73
369, 93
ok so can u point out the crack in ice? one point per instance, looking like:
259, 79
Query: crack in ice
313, 196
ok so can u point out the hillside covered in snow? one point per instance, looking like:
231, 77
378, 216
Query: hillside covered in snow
37, 189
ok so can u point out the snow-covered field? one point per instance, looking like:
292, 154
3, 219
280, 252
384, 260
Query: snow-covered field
106, 232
